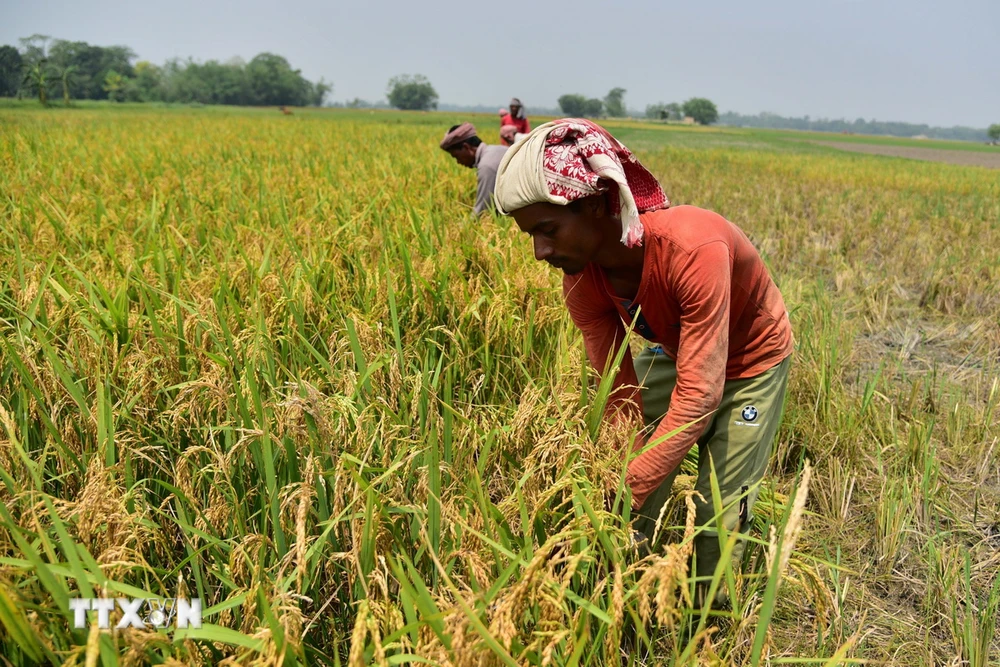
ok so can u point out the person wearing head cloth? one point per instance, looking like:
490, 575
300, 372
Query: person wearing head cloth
470, 151
516, 119
688, 281
509, 135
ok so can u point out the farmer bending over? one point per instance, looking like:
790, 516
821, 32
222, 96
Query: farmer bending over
719, 330
469, 151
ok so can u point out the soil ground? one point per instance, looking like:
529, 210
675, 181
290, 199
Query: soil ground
972, 158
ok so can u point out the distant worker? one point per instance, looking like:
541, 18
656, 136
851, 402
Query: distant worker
509, 135
515, 118
469, 151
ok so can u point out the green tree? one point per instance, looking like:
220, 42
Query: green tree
114, 85
411, 93
573, 105
11, 71
97, 72
181, 83
320, 90
661, 111
233, 83
88, 82
657, 111
34, 49
594, 108
38, 78
273, 82
92, 65
614, 103
578, 106
115, 58
703, 111
994, 132
147, 84
66, 77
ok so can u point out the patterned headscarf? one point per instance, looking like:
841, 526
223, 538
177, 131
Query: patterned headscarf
572, 158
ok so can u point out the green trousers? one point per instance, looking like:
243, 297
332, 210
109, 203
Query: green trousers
737, 441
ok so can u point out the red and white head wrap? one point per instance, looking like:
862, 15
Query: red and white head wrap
573, 158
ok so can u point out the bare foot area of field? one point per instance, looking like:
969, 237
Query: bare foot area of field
971, 158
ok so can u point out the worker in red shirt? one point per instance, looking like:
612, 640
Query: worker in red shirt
517, 119
685, 279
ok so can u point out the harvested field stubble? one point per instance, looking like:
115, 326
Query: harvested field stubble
989, 159
270, 362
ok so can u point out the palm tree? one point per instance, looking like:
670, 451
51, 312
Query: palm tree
67, 77
38, 76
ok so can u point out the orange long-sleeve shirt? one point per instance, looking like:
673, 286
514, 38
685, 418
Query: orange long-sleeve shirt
706, 297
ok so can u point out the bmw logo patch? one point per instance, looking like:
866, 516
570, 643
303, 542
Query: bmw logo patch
749, 413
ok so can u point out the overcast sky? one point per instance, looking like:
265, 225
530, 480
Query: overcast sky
905, 60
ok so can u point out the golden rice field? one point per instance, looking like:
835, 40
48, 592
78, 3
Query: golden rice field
271, 362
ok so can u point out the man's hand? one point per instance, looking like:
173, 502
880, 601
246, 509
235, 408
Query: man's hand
640, 543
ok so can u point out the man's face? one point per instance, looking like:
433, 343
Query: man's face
464, 154
567, 237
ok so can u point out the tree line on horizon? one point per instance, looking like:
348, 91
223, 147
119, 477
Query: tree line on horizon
703, 111
774, 121
48, 68
416, 93
44, 68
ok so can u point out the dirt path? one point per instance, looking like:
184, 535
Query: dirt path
973, 158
